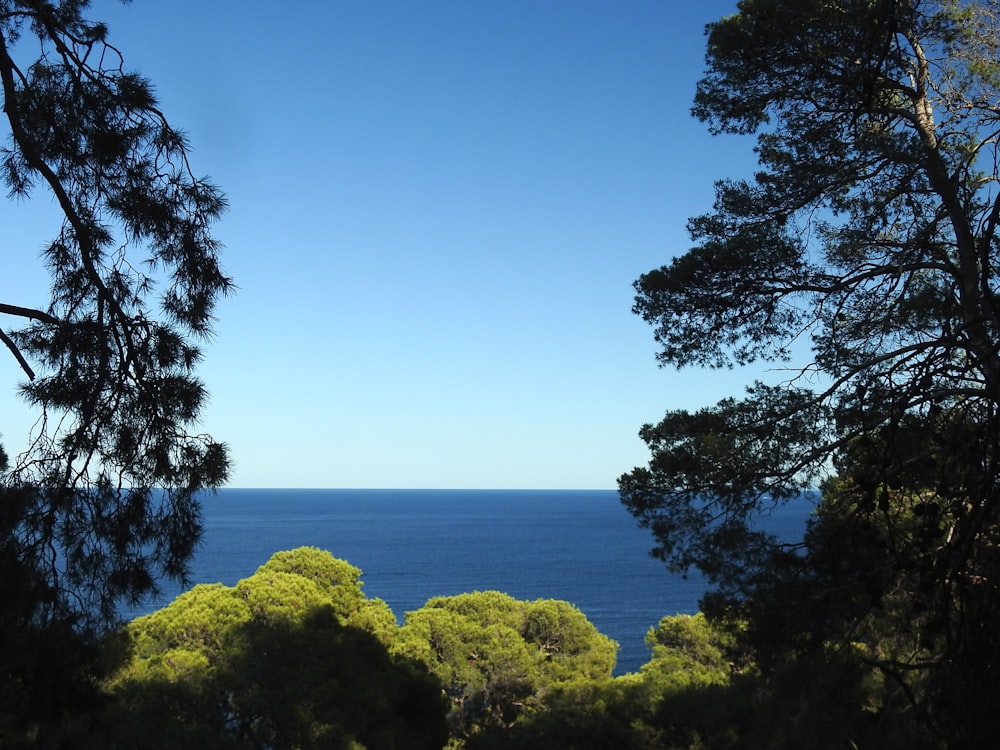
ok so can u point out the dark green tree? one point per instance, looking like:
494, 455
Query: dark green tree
869, 234
101, 501
114, 464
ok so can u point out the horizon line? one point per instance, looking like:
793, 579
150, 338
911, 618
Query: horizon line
426, 489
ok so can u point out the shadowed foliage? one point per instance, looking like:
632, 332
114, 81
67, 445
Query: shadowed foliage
102, 500
870, 236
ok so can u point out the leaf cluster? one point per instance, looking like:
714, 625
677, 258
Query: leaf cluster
114, 461
498, 657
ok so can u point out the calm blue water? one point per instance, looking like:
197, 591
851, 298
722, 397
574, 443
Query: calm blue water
580, 546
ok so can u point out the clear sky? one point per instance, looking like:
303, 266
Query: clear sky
438, 209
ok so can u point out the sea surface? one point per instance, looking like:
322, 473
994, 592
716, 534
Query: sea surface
581, 546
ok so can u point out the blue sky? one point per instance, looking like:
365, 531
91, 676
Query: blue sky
437, 213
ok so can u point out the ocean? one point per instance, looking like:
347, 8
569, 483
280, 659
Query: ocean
581, 546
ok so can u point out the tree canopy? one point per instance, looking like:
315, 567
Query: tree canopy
498, 656
293, 656
869, 236
101, 500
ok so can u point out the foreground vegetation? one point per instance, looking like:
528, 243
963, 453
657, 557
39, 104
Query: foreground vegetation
296, 656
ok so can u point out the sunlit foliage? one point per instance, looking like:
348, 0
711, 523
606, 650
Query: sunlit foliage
293, 656
498, 656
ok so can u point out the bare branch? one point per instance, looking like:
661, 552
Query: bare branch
17, 355
29, 312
